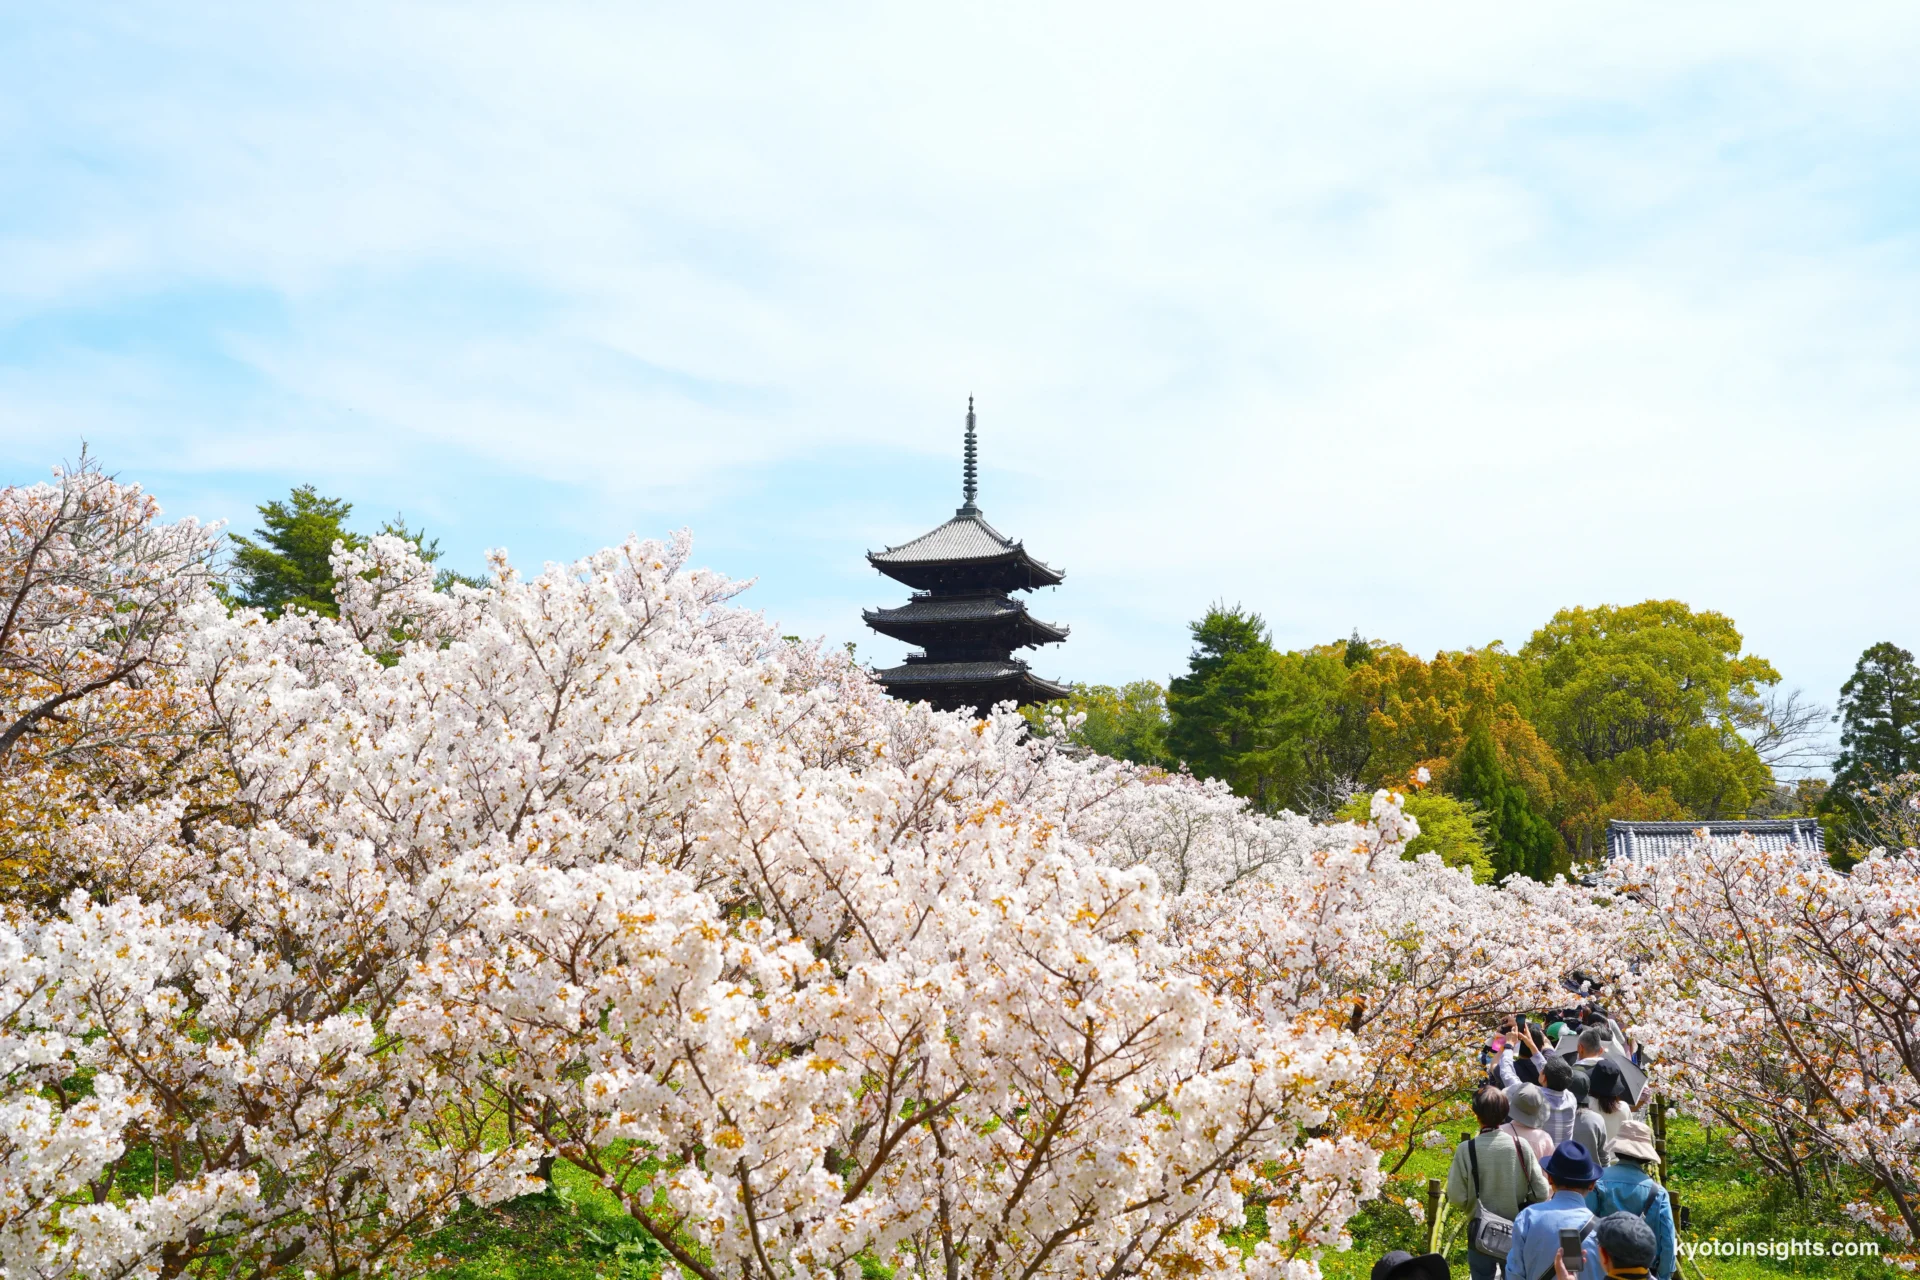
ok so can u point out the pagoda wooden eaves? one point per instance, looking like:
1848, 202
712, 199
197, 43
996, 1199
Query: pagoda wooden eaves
965, 618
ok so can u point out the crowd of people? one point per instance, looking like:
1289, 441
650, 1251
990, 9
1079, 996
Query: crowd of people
1561, 1181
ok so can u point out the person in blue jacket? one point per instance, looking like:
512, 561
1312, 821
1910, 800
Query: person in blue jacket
1628, 1186
1571, 1172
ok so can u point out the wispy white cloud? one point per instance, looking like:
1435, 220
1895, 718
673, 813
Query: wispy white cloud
1422, 319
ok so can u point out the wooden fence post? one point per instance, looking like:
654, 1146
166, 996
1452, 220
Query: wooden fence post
1436, 1209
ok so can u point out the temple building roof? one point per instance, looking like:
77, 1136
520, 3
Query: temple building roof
1644, 842
965, 542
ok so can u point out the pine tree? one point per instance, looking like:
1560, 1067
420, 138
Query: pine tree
1879, 715
1524, 842
289, 567
1220, 714
1358, 651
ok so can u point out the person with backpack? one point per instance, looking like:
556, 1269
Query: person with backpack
1498, 1176
1571, 1172
1628, 1186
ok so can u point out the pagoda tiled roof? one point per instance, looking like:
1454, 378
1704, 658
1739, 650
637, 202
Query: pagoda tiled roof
957, 609
975, 683
951, 672
949, 609
980, 616
966, 537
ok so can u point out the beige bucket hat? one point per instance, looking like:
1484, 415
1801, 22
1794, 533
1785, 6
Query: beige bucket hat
1635, 1142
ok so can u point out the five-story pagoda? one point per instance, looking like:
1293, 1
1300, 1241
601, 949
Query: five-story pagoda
963, 614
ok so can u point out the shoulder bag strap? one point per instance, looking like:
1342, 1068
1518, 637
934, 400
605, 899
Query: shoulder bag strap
1473, 1158
1523, 1155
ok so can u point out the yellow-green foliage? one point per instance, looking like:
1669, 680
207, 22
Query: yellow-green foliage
1454, 829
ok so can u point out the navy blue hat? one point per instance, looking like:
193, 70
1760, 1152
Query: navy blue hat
1572, 1164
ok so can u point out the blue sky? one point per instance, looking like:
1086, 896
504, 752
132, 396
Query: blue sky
1425, 320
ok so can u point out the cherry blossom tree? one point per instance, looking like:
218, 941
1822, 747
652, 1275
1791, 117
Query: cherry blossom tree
1411, 957
1783, 999
93, 592
597, 861
592, 866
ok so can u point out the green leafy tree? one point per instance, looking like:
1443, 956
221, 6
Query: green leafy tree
1127, 723
1357, 651
1520, 841
288, 567
1879, 715
1279, 728
1453, 828
1655, 694
1319, 728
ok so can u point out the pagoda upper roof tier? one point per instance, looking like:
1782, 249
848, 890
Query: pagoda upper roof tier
965, 550
982, 615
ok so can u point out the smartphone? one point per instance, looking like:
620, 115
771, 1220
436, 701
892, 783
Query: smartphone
1572, 1249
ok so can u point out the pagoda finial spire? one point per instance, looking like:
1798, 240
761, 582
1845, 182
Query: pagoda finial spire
970, 468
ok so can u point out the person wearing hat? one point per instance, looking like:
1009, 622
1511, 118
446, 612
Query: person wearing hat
1571, 1171
1620, 1248
1401, 1265
1608, 1096
1527, 1120
1494, 1170
1628, 1186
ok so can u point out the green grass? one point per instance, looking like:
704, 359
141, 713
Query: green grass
576, 1231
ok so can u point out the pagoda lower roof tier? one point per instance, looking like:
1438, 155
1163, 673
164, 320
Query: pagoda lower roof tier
982, 684
981, 619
